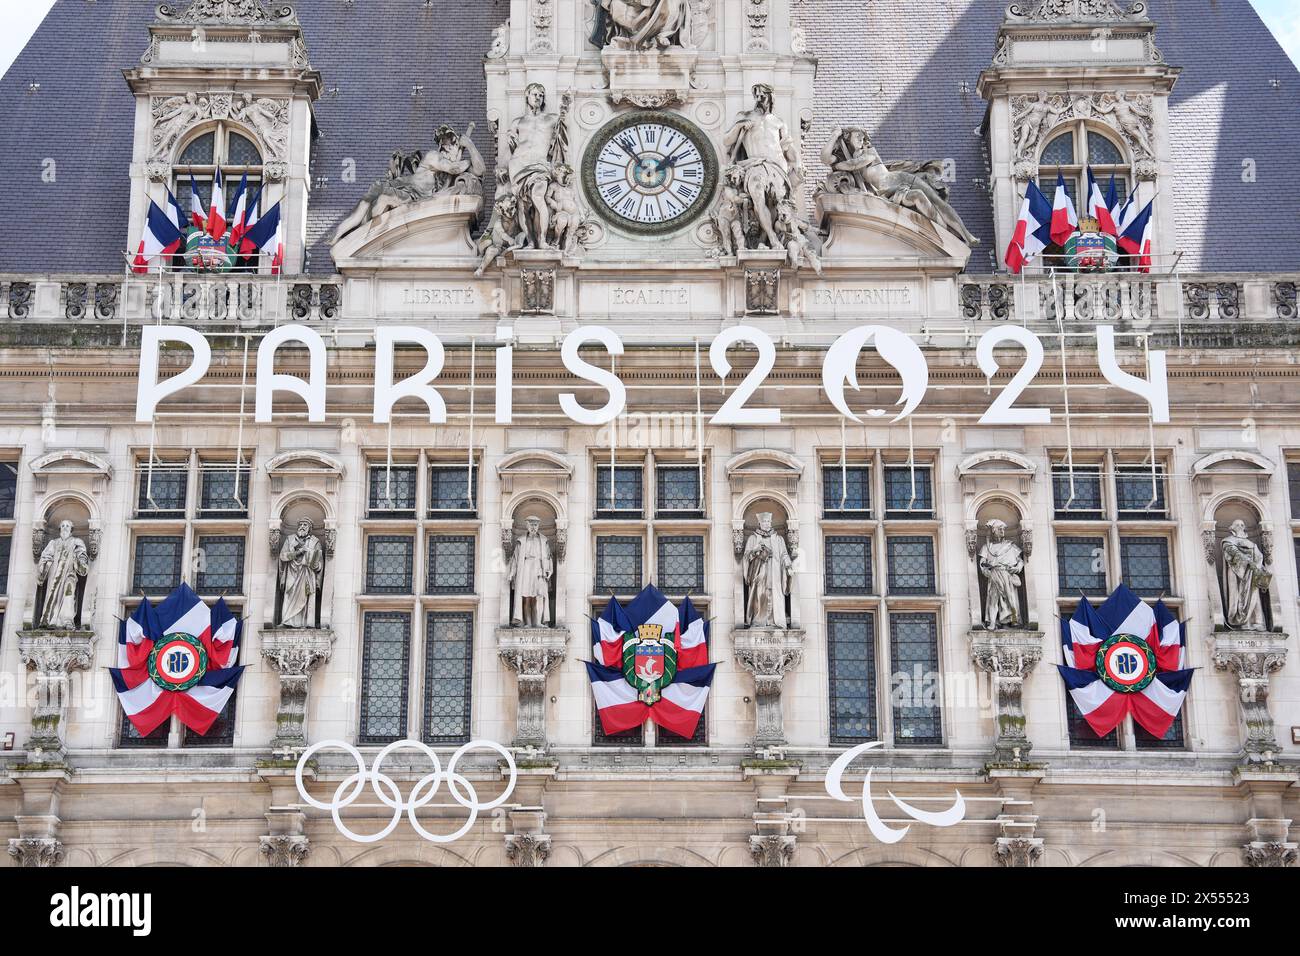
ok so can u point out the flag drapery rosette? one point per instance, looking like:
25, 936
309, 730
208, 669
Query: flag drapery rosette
177, 658
1125, 657
650, 660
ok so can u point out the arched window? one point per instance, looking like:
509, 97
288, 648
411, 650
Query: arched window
1071, 150
226, 146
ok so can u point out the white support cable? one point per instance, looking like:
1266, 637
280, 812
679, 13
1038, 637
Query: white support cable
239, 440
469, 460
1065, 396
699, 424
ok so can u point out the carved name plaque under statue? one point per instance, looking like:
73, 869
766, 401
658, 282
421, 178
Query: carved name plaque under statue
532, 653
768, 654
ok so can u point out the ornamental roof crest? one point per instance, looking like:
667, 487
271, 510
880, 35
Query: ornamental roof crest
1075, 11
228, 12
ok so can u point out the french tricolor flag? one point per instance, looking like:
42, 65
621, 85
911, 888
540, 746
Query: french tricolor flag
216, 227
1154, 707
144, 700
607, 632
1097, 207
693, 638
1065, 221
681, 703
1135, 234
265, 236
246, 248
239, 212
1078, 636
616, 700
1033, 229
161, 238
198, 215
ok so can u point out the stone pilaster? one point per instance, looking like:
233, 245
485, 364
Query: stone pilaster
532, 653
1008, 657
38, 842
1253, 656
294, 653
1270, 839
285, 843
1016, 844
768, 654
777, 827
53, 655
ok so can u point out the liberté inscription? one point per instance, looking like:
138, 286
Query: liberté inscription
438, 296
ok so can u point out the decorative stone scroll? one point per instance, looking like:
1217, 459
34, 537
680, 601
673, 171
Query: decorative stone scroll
228, 13
1075, 11
1036, 115
173, 116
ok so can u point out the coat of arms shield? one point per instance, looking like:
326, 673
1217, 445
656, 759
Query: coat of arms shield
649, 662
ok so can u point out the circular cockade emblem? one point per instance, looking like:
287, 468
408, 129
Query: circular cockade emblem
1126, 664
178, 662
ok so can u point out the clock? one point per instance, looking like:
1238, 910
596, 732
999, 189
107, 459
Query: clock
650, 172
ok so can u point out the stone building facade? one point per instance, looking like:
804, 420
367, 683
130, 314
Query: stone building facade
505, 239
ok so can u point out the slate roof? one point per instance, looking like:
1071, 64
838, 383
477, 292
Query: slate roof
894, 65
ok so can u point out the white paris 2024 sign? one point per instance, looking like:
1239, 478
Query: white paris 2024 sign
838, 369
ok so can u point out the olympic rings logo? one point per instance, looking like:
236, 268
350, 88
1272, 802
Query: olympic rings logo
461, 790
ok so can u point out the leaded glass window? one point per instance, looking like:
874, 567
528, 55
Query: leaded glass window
1144, 563
220, 565
1082, 736
618, 565
846, 491
1081, 566
158, 562
851, 651
129, 737
162, 490
385, 655
8, 489
223, 491
1174, 739
634, 737
903, 498
1081, 500
390, 560
848, 564
911, 564
1136, 496
6, 545
220, 734
1293, 487
453, 491
681, 564
392, 491
915, 687
627, 499
1296, 544
677, 491
448, 658
451, 564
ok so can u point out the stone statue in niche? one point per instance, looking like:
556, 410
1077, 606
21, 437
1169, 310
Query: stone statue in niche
63, 563
648, 24
856, 167
454, 167
763, 156
1244, 578
1001, 563
536, 147
530, 573
301, 574
768, 568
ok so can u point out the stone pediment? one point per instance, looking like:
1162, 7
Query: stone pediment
433, 233
764, 461
868, 231
304, 462
72, 462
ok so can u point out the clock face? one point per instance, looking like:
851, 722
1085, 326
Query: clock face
650, 173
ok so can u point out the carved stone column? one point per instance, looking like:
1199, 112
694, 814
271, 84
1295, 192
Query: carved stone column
1270, 840
38, 842
53, 655
1016, 844
294, 653
532, 653
285, 843
768, 654
776, 838
1008, 656
1253, 656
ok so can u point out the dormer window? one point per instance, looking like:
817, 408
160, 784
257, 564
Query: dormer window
223, 146
1070, 152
